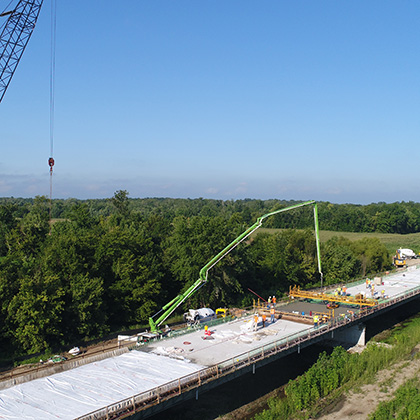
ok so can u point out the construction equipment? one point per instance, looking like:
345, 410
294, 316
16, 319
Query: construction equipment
170, 307
324, 316
196, 316
15, 34
406, 253
360, 300
222, 312
399, 259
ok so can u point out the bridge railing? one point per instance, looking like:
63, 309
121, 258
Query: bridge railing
192, 381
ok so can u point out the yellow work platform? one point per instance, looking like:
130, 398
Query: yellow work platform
295, 292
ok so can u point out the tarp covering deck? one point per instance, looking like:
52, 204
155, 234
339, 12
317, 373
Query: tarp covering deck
87, 388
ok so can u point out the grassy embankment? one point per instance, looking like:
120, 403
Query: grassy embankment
405, 404
331, 376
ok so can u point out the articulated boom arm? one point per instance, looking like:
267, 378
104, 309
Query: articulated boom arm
14, 38
173, 304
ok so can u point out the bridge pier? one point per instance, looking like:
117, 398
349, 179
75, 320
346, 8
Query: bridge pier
354, 335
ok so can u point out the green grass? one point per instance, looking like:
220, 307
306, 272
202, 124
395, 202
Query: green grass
392, 241
405, 404
334, 375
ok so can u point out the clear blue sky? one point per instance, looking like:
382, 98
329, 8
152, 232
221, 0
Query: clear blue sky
219, 99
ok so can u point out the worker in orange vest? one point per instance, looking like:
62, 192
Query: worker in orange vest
264, 318
272, 312
274, 301
255, 322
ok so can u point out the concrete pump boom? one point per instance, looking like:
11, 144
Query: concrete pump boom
170, 307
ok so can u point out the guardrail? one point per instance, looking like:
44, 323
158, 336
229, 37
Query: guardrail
176, 387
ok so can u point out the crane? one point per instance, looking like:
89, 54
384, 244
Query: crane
14, 37
170, 307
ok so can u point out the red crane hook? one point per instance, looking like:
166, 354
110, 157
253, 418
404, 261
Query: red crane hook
51, 163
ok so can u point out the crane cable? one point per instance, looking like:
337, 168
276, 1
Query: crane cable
5, 11
52, 93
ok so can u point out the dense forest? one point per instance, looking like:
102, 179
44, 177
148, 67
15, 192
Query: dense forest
104, 265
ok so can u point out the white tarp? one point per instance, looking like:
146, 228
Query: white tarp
87, 388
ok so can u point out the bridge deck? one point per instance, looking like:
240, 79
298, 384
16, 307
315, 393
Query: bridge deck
107, 383
226, 341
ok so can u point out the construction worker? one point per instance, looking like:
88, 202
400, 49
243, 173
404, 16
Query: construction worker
383, 293
274, 301
272, 312
264, 318
255, 322
269, 302
316, 319
344, 291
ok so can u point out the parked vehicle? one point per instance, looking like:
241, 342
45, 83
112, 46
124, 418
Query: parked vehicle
196, 316
399, 259
407, 253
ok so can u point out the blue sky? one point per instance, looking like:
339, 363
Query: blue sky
219, 99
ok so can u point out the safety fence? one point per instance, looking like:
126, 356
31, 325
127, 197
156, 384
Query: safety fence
175, 388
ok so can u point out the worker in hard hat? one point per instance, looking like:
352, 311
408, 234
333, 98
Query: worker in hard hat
274, 300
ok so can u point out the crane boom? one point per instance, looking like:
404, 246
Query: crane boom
170, 307
14, 38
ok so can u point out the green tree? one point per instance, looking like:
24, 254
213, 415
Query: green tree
120, 202
372, 254
338, 261
35, 312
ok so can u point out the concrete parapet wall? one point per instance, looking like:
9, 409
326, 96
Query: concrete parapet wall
60, 367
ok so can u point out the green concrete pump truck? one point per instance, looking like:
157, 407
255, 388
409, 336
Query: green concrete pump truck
170, 307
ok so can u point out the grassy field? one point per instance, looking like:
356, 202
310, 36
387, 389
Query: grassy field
392, 241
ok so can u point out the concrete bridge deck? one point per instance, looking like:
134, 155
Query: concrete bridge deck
144, 381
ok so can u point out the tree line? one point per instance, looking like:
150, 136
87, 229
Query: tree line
107, 265
399, 217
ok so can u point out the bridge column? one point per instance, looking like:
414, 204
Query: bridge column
355, 335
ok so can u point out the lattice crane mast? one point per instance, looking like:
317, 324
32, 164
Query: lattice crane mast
15, 34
